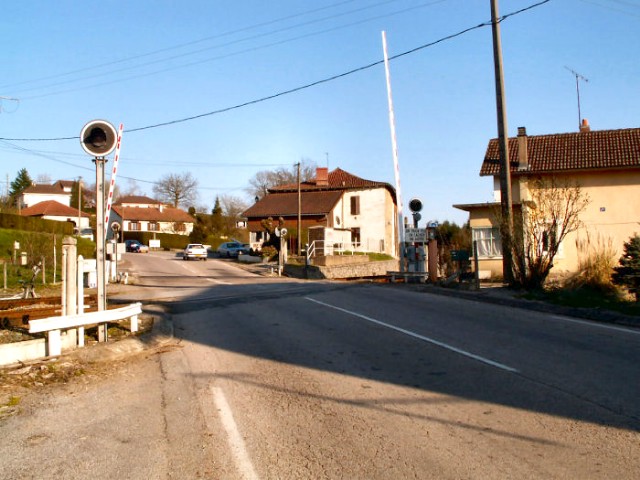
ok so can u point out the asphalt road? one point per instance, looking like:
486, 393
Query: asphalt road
278, 378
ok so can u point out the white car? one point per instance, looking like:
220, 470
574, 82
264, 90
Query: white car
195, 251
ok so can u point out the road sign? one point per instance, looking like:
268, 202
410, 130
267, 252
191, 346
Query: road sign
412, 235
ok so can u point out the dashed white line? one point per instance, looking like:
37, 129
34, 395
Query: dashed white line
419, 337
236, 443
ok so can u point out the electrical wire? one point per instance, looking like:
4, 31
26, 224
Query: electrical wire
302, 87
228, 55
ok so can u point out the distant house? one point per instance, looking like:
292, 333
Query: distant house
606, 166
60, 192
53, 210
144, 214
336, 207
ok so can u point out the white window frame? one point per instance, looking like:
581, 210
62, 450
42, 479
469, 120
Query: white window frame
488, 241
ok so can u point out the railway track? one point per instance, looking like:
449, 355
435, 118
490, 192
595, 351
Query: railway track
16, 313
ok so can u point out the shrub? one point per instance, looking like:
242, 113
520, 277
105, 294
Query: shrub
595, 265
628, 272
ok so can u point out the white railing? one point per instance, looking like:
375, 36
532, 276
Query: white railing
340, 248
54, 325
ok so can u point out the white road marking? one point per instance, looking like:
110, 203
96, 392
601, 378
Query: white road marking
419, 337
604, 326
236, 443
219, 282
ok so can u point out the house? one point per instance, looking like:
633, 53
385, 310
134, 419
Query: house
59, 192
336, 207
605, 165
143, 214
53, 210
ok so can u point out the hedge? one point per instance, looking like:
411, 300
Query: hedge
167, 240
35, 224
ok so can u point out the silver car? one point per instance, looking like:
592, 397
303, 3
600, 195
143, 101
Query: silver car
232, 249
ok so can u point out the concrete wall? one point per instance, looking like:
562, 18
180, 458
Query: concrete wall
11, 353
358, 270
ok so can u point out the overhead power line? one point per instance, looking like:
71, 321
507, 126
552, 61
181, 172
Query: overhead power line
302, 87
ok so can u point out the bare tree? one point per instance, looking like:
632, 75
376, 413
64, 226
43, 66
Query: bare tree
177, 190
551, 213
266, 179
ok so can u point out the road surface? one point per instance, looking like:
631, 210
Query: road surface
275, 378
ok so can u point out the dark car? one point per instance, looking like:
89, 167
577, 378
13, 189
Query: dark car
135, 246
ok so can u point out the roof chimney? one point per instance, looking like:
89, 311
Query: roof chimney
584, 126
322, 176
523, 154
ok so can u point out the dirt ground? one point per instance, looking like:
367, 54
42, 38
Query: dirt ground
20, 381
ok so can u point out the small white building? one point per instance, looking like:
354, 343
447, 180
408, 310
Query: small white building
143, 214
336, 207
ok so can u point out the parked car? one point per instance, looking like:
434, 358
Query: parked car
135, 246
232, 249
195, 251
86, 233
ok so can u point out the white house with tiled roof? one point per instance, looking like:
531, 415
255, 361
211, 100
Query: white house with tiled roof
606, 166
36, 193
359, 214
144, 214
52, 210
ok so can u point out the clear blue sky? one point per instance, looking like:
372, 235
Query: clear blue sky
141, 63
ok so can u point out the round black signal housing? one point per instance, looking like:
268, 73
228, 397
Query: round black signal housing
415, 205
98, 138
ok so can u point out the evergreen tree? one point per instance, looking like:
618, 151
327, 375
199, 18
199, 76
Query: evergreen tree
217, 219
628, 273
21, 182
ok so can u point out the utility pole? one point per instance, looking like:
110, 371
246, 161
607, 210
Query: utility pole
578, 78
299, 213
503, 139
79, 204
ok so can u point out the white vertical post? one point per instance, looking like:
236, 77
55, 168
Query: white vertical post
54, 343
80, 291
394, 146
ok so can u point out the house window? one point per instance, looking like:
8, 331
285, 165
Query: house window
355, 237
154, 226
179, 227
355, 205
134, 226
488, 242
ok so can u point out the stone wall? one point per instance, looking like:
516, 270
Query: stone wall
353, 270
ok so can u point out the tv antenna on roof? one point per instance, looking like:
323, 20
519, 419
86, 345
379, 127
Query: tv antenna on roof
578, 78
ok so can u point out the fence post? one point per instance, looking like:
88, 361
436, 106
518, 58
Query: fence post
80, 271
69, 250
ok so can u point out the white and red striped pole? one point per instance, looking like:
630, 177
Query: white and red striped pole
112, 184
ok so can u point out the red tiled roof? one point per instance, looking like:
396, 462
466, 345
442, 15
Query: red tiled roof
136, 199
602, 149
338, 179
51, 208
286, 204
45, 189
166, 214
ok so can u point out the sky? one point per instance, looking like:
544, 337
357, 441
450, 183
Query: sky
225, 88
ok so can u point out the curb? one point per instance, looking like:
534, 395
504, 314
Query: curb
160, 334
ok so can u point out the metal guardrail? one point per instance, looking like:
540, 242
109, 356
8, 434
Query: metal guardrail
54, 325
